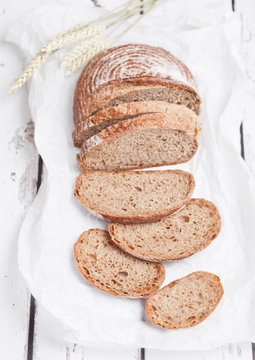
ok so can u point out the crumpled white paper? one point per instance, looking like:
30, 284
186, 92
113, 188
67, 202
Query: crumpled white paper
206, 37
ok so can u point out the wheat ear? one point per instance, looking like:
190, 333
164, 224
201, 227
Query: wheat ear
77, 51
53, 45
28, 71
92, 51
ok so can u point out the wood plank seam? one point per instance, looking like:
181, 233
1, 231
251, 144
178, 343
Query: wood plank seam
142, 354
96, 3
31, 327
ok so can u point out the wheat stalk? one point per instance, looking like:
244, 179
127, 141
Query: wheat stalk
86, 34
55, 44
28, 71
69, 38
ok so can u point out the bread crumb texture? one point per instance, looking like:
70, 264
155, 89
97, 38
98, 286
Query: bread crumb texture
110, 269
134, 196
185, 302
175, 237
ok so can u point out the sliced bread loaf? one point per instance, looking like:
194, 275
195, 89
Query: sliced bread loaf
145, 141
112, 270
134, 196
180, 116
175, 237
185, 302
133, 72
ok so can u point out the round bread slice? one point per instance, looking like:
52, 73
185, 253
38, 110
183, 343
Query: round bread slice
110, 269
134, 196
181, 118
145, 141
133, 72
175, 237
185, 302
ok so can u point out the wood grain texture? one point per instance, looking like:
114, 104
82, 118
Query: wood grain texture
241, 351
77, 352
48, 337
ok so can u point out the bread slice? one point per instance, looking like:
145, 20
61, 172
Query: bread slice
181, 118
145, 141
185, 302
160, 90
133, 72
112, 270
175, 237
134, 196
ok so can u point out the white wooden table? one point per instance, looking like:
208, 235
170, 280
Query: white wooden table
27, 331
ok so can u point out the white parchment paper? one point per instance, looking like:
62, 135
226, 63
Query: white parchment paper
206, 37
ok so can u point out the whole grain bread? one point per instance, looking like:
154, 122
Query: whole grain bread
133, 72
112, 270
185, 302
175, 237
180, 116
141, 142
134, 196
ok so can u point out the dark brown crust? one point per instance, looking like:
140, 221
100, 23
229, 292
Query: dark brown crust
88, 94
159, 259
137, 219
149, 312
161, 271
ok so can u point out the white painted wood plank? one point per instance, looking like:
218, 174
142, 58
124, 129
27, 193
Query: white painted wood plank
246, 10
77, 352
18, 164
49, 344
48, 337
242, 351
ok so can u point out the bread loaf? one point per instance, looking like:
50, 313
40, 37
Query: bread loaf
185, 302
175, 237
112, 270
180, 116
140, 142
133, 72
134, 196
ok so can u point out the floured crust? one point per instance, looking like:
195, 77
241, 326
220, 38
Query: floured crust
110, 73
137, 219
181, 117
157, 120
150, 308
160, 267
137, 252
